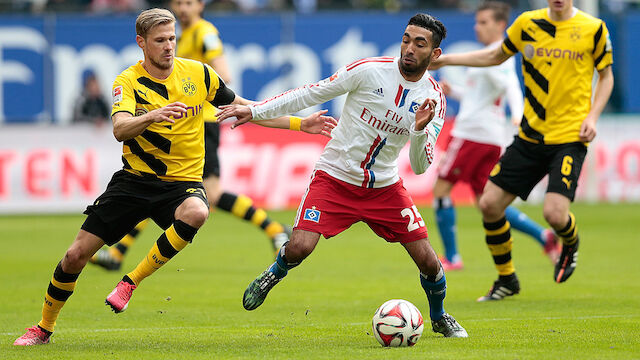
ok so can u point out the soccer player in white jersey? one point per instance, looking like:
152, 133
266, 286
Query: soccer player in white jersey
390, 101
478, 136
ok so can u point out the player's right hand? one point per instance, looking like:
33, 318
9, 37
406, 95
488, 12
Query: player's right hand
176, 109
241, 112
425, 114
318, 123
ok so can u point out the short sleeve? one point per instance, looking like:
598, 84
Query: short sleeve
123, 98
512, 43
212, 44
602, 49
211, 81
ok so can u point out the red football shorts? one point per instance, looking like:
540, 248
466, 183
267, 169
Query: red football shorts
468, 161
331, 206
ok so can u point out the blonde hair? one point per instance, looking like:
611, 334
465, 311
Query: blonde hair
148, 19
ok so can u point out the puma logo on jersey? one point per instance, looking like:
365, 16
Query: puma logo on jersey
143, 93
567, 182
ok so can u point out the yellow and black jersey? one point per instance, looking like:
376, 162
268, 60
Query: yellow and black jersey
557, 65
201, 42
173, 152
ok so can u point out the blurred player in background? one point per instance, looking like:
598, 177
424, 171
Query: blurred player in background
478, 136
390, 101
560, 48
158, 115
199, 40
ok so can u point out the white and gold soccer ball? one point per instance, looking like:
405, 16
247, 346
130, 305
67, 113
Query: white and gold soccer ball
397, 323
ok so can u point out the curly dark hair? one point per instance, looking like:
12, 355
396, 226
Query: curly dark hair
438, 31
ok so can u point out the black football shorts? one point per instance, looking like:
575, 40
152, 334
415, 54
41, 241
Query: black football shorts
130, 198
524, 164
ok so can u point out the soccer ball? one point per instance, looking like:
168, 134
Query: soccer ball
397, 323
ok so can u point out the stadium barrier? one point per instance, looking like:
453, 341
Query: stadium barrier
49, 169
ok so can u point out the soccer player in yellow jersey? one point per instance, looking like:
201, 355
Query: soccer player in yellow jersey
158, 115
560, 47
199, 40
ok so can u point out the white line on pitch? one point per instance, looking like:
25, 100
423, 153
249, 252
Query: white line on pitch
348, 324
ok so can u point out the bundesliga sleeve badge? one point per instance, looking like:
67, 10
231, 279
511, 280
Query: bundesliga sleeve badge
117, 94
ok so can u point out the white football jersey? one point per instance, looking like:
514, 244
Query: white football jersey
481, 117
377, 120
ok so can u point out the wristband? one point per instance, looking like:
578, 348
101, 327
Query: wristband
294, 123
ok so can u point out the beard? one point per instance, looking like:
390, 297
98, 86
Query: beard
162, 64
416, 67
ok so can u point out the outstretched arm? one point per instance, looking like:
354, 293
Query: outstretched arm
478, 58
316, 123
292, 101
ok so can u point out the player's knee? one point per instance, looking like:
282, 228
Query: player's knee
198, 216
555, 217
75, 259
488, 208
194, 213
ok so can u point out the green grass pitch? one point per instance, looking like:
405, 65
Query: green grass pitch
191, 308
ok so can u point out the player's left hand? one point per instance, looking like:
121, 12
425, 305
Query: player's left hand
242, 113
425, 114
588, 130
317, 123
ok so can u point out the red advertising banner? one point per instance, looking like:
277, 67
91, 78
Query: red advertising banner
50, 169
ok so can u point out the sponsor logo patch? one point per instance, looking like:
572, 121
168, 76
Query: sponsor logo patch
312, 215
117, 94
